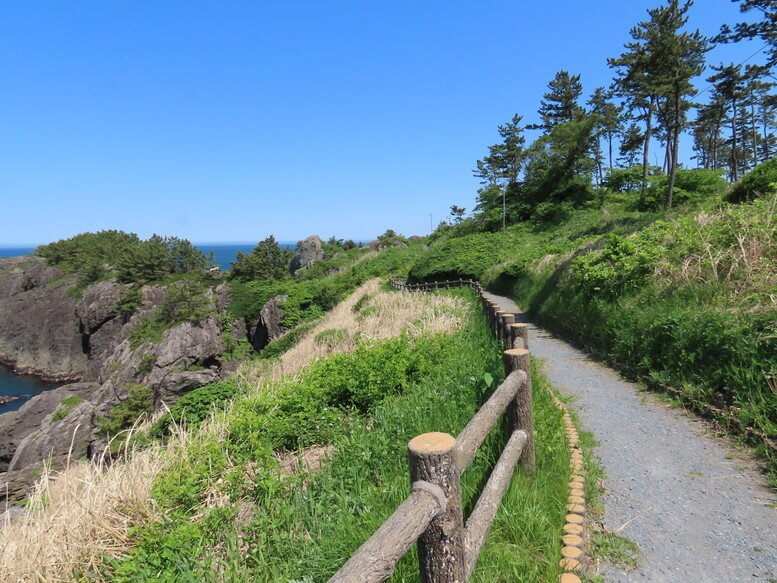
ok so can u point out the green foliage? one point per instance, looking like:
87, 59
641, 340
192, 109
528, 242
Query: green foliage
466, 257
130, 300
66, 405
195, 406
331, 337
622, 265
280, 345
684, 303
267, 261
103, 247
147, 361
361, 303
391, 239
148, 329
761, 182
96, 255
184, 302
137, 403
288, 537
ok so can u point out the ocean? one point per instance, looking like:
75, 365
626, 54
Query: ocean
24, 386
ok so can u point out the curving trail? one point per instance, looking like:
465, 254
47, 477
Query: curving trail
697, 510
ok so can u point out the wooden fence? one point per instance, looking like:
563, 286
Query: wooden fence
449, 546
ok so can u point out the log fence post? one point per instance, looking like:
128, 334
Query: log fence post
441, 546
519, 335
508, 320
519, 413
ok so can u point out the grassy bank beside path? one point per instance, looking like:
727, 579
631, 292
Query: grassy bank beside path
229, 516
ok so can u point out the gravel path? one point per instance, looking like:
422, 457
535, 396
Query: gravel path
698, 510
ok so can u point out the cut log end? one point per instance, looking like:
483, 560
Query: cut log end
435, 443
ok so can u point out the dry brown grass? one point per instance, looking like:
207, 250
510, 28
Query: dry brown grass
730, 246
77, 516
80, 515
383, 315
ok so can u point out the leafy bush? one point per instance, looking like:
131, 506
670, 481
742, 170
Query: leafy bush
623, 265
138, 402
331, 337
65, 407
267, 261
760, 182
133, 259
195, 406
129, 301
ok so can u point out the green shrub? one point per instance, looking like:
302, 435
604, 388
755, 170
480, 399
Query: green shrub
130, 300
195, 406
138, 402
65, 407
331, 337
624, 264
759, 183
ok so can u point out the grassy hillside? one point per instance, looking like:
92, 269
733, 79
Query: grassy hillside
232, 511
683, 300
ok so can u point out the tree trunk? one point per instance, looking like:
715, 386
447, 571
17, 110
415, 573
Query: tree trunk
674, 141
646, 152
734, 162
755, 131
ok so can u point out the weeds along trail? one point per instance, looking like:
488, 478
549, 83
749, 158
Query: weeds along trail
78, 516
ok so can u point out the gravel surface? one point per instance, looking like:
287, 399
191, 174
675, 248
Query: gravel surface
697, 508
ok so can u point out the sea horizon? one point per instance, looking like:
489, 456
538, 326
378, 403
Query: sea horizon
224, 254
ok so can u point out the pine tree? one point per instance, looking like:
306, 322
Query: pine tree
729, 84
764, 29
560, 104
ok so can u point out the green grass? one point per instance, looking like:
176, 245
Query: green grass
367, 405
65, 407
681, 301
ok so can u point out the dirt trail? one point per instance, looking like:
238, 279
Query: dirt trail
698, 511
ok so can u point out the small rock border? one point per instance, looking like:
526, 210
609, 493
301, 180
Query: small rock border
572, 557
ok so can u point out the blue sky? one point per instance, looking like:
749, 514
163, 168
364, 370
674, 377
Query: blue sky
228, 121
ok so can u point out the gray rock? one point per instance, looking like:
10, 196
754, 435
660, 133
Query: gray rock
17, 425
58, 439
98, 305
374, 245
39, 328
187, 344
14, 486
308, 253
269, 325
173, 385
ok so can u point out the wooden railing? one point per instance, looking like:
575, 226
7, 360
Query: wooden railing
448, 547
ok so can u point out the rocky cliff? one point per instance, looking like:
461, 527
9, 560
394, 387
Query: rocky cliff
90, 341
39, 328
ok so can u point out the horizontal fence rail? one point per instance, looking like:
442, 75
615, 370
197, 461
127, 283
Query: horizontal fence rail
431, 516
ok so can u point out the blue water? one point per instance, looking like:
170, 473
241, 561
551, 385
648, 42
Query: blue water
225, 253
15, 251
24, 386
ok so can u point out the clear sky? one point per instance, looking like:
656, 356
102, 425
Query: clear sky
228, 121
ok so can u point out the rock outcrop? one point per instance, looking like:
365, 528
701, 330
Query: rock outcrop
39, 328
45, 332
268, 327
308, 253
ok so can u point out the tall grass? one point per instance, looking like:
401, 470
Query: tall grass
84, 515
302, 527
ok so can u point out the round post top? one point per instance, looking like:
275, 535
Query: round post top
516, 352
434, 442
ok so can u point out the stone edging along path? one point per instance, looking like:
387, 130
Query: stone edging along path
699, 510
